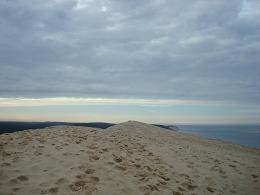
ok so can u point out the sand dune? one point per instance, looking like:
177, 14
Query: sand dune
129, 158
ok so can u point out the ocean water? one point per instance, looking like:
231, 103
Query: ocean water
247, 135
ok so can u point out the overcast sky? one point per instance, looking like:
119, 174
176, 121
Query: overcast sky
194, 50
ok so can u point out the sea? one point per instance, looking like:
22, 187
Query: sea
247, 135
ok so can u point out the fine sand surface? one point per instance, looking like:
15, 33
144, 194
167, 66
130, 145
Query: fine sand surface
129, 158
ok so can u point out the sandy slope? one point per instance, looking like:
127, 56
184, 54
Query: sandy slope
129, 158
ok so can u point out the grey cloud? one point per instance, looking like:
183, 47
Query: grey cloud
199, 50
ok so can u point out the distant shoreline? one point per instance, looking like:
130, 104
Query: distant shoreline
245, 135
14, 126
228, 133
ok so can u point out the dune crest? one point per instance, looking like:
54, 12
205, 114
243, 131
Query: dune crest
128, 158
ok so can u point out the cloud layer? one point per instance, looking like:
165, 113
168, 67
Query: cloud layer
188, 50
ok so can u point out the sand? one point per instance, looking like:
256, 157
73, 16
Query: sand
128, 158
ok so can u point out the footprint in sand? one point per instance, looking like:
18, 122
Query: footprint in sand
94, 157
117, 159
148, 189
164, 178
5, 164
22, 178
176, 193
66, 154
58, 147
53, 190
90, 171
60, 181
92, 147
188, 185
15, 189
81, 176
181, 189
210, 189
78, 185
37, 153
121, 167
87, 185
254, 176
95, 179
231, 165
148, 168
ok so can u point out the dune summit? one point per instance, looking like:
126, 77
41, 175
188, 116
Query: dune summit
128, 158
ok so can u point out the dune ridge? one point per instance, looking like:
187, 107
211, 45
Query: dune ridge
128, 158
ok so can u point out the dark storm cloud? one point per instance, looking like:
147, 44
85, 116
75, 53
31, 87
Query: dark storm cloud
200, 50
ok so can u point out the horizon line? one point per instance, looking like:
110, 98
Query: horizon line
57, 101
163, 123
